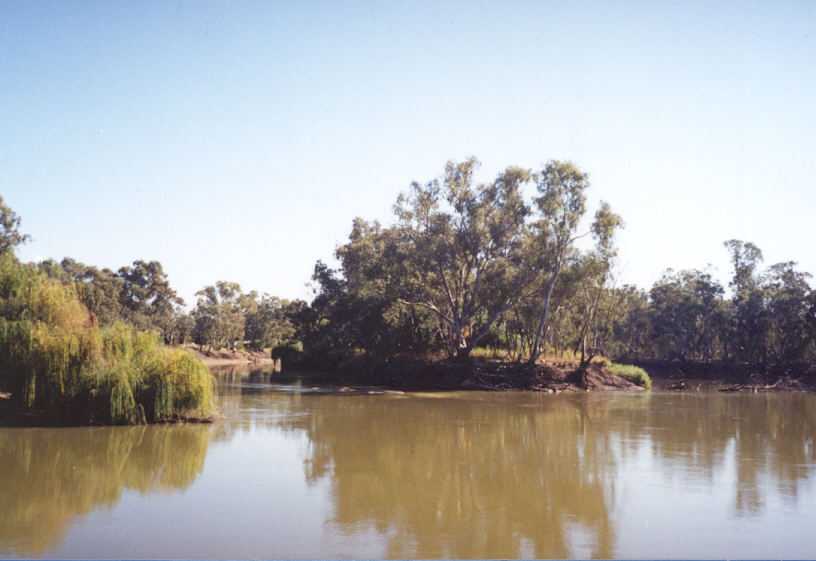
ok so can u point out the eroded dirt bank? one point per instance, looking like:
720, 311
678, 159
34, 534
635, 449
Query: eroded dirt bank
226, 357
478, 374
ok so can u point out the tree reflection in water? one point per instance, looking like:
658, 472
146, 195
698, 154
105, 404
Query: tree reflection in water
769, 438
51, 476
508, 475
457, 475
464, 476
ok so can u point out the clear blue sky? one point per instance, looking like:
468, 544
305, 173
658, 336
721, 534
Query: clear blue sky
237, 140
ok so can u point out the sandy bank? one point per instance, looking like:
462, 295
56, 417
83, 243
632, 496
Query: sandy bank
232, 358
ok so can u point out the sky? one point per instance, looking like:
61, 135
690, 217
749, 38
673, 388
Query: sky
238, 140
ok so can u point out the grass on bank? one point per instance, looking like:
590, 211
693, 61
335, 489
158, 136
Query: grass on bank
567, 356
55, 359
634, 374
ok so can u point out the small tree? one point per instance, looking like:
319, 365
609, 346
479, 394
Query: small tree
147, 299
10, 235
219, 316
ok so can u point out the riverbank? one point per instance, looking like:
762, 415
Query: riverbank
414, 374
225, 357
405, 374
14, 415
728, 377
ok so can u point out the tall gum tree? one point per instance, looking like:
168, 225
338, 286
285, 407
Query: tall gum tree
595, 318
560, 206
463, 250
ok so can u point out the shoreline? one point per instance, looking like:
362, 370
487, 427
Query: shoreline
14, 416
409, 375
728, 377
232, 358
403, 374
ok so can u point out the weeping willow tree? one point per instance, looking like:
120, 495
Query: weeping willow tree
54, 358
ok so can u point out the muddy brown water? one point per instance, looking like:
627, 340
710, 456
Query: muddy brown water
297, 472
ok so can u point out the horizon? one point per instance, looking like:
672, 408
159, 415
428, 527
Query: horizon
237, 142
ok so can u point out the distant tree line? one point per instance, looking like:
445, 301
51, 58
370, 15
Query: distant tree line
499, 266
468, 265
141, 294
768, 319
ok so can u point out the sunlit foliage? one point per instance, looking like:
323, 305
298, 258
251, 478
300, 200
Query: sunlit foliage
498, 265
55, 358
632, 373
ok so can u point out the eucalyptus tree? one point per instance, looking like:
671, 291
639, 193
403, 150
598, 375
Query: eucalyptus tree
688, 315
746, 258
324, 327
789, 313
182, 329
10, 235
377, 273
560, 206
99, 289
599, 306
266, 324
462, 245
749, 325
219, 316
148, 300
632, 324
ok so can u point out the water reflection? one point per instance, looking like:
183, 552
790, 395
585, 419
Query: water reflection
520, 475
769, 438
52, 476
471, 475
463, 477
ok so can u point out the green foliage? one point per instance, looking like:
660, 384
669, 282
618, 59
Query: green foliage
10, 235
459, 249
266, 324
768, 322
139, 294
289, 353
688, 315
220, 316
469, 265
148, 301
53, 357
634, 374
100, 290
466, 264
468, 268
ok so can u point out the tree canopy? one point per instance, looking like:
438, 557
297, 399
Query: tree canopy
514, 264
10, 235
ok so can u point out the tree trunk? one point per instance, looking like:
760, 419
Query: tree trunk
535, 351
463, 353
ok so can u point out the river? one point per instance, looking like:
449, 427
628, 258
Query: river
293, 472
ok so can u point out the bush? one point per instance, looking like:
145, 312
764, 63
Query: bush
290, 353
54, 358
632, 373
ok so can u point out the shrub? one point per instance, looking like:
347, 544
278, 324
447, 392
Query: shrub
290, 353
55, 358
632, 373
